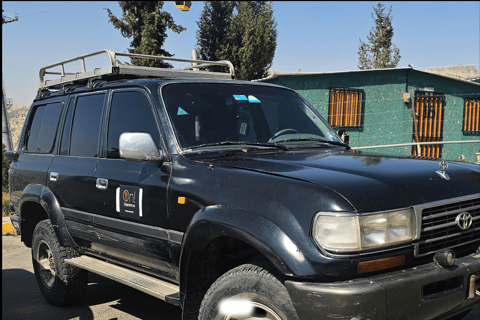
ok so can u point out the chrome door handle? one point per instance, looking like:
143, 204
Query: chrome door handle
53, 176
102, 184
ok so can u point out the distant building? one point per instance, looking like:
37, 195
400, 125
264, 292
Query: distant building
393, 106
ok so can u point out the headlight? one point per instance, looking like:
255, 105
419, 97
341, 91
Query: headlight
342, 233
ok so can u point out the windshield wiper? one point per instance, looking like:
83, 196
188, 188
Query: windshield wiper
248, 143
318, 140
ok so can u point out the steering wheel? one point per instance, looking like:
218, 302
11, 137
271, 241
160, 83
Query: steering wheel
281, 132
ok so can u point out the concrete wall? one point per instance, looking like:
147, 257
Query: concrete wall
386, 119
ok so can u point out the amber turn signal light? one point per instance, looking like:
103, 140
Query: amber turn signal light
380, 264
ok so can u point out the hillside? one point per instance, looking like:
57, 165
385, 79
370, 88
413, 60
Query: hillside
458, 71
16, 116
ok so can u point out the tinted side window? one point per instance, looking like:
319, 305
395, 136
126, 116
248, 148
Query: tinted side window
86, 126
43, 127
66, 128
130, 112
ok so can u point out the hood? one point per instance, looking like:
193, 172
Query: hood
369, 182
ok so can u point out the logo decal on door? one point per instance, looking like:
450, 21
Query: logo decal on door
129, 202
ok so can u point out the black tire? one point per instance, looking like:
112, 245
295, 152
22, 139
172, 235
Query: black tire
60, 283
257, 283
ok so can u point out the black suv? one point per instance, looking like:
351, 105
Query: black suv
235, 200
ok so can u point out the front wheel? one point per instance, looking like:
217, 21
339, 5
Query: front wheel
250, 291
60, 283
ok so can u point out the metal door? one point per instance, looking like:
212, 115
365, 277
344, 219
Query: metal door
428, 123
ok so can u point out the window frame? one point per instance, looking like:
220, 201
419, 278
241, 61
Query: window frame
361, 102
106, 120
28, 123
100, 133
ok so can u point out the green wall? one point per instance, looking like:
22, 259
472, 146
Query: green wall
386, 118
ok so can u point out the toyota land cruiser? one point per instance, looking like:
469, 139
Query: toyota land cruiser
234, 200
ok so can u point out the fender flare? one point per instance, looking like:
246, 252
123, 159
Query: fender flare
248, 227
45, 197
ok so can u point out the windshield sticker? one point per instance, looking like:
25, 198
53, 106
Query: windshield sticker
240, 97
243, 129
181, 112
253, 99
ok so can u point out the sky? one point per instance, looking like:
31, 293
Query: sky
312, 36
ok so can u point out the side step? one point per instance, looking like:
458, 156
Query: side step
161, 289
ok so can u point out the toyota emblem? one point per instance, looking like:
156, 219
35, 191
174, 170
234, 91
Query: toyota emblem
464, 220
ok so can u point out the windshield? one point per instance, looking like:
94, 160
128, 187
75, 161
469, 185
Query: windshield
210, 114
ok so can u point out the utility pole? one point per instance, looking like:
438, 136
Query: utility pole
6, 137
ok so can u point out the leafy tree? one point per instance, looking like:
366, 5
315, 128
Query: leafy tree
243, 32
378, 52
213, 29
5, 166
146, 23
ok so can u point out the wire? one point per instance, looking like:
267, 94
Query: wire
77, 4
9, 3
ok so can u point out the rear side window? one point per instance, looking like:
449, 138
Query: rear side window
66, 128
130, 112
86, 126
43, 127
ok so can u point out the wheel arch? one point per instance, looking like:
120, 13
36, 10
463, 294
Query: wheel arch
38, 203
216, 228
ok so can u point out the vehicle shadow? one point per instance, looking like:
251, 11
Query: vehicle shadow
106, 299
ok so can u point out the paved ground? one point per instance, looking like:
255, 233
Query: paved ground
22, 300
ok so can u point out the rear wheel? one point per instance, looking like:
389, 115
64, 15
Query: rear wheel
60, 283
248, 292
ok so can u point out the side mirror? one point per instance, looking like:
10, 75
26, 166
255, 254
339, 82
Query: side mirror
11, 155
344, 136
139, 146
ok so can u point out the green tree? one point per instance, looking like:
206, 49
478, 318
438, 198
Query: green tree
378, 52
5, 166
213, 30
243, 32
147, 24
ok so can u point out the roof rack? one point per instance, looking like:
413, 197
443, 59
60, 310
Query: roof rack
121, 69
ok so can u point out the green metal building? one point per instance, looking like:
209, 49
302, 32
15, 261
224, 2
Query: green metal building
396, 106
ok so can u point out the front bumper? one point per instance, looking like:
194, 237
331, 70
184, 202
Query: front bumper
15, 222
423, 292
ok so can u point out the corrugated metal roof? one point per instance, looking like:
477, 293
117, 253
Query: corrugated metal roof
277, 75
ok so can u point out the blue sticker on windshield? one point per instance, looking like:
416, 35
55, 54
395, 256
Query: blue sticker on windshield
181, 112
240, 97
253, 99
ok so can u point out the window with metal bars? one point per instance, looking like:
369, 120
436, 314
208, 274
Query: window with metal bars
428, 123
471, 115
345, 107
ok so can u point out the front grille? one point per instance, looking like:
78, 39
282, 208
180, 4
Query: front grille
440, 231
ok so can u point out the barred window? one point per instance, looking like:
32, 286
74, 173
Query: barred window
428, 123
471, 115
345, 107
